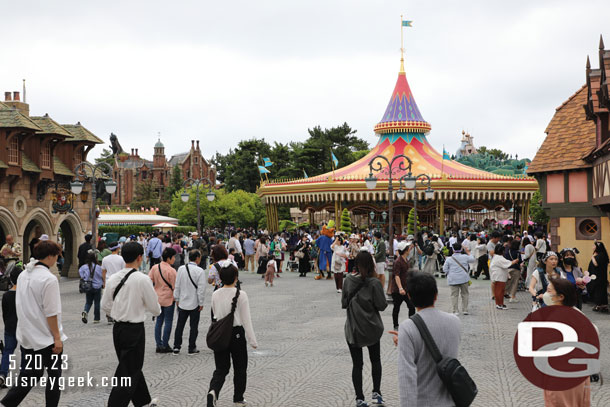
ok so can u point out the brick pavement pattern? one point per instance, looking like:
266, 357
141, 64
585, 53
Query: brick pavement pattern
302, 357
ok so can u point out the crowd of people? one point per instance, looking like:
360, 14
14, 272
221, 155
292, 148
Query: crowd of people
167, 274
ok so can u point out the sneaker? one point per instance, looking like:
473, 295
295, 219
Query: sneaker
176, 351
378, 400
84, 317
499, 307
506, 296
212, 398
456, 313
513, 300
240, 403
154, 402
338, 290
361, 403
97, 321
166, 349
158, 350
266, 284
465, 313
110, 320
504, 306
271, 285
193, 351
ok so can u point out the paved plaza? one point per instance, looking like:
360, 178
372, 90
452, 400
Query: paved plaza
302, 358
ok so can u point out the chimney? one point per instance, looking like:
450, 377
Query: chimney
16, 96
197, 144
7, 96
137, 153
192, 143
132, 152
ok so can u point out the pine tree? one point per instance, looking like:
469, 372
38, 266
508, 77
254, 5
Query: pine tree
346, 221
411, 222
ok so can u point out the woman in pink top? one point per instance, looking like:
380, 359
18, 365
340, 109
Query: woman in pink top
163, 277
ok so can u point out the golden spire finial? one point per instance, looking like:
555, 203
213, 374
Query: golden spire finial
402, 48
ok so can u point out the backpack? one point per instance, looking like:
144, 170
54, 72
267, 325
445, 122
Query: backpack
429, 249
454, 376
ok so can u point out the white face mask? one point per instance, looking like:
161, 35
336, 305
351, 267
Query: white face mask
547, 297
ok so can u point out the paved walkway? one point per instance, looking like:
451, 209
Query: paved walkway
302, 357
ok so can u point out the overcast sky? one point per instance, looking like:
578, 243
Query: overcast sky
223, 71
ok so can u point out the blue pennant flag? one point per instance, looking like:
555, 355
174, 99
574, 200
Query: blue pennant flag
407, 23
446, 155
267, 162
263, 170
305, 174
335, 161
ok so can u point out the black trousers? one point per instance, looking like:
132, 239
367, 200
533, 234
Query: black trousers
193, 315
357, 363
129, 341
350, 265
397, 300
482, 266
30, 360
154, 261
237, 352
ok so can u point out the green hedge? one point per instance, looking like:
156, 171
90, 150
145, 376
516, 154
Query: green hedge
127, 230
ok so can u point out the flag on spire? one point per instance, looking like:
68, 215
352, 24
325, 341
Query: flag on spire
263, 170
407, 23
267, 162
334, 158
305, 174
446, 155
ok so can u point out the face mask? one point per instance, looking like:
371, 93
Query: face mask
547, 298
570, 261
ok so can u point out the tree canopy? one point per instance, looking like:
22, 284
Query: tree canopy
238, 169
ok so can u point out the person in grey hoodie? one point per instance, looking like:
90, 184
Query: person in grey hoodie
364, 299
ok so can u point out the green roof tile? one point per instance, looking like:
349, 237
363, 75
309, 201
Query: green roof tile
81, 134
27, 164
50, 126
60, 168
11, 118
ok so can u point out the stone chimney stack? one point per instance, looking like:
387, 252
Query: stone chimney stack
16, 103
7, 96
197, 145
16, 96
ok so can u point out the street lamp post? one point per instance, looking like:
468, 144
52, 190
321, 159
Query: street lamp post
197, 183
371, 183
76, 186
410, 182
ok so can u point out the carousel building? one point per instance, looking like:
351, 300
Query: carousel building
455, 193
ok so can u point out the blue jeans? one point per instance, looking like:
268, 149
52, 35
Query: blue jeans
93, 297
166, 317
10, 344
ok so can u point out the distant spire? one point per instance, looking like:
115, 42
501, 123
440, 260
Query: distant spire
588, 63
24, 99
601, 42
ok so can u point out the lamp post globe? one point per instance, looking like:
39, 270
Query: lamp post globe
400, 194
429, 193
110, 187
184, 196
371, 181
210, 196
410, 182
76, 187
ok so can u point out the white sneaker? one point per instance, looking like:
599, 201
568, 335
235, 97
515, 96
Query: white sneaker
211, 399
465, 312
339, 290
240, 403
513, 300
154, 403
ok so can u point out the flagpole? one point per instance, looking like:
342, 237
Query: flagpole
266, 177
443, 163
332, 162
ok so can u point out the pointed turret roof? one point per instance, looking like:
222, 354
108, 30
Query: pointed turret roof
402, 113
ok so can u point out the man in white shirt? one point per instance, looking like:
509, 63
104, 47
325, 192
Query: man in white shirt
39, 329
189, 294
113, 263
128, 296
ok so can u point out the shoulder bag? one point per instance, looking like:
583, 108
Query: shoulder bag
219, 334
86, 286
189, 274
454, 376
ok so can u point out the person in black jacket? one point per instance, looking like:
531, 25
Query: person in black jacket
83, 249
364, 299
9, 316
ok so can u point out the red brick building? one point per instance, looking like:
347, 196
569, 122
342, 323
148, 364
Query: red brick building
130, 169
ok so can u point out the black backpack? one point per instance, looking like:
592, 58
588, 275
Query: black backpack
460, 385
429, 249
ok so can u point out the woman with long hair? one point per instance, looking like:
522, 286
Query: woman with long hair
91, 271
547, 269
598, 267
364, 299
222, 301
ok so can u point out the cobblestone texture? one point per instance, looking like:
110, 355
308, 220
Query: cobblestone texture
302, 357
